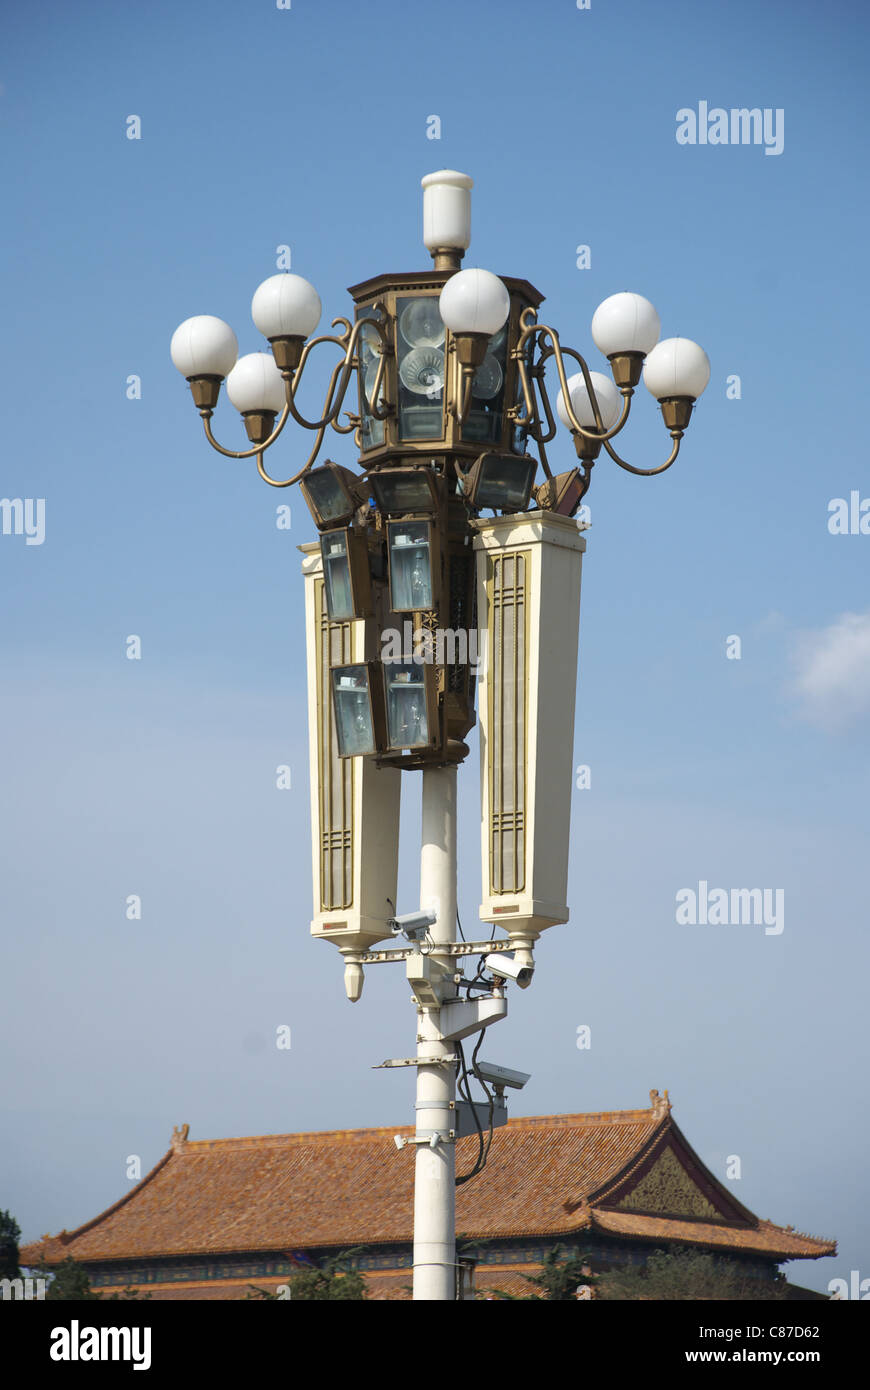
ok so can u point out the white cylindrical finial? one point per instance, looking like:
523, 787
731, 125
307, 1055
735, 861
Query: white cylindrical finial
447, 210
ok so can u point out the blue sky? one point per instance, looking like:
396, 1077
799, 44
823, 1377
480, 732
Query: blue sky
307, 127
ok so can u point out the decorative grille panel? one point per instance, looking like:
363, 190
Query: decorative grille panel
335, 774
508, 714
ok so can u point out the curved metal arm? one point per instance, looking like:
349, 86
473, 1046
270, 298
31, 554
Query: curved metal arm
556, 350
676, 436
539, 382
371, 406
335, 396
338, 384
274, 482
530, 328
258, 448
627, 393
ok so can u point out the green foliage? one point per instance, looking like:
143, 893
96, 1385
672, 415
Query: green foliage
70, 1284
688, 1274
559, 1279
10, 1235
334, 1280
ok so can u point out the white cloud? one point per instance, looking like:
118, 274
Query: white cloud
832, 671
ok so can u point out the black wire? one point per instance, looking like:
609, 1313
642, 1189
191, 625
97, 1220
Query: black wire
483, 1145
464, 1089
458, 923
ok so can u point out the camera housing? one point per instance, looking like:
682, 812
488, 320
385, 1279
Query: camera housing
509, 968
501, 1076
413, 925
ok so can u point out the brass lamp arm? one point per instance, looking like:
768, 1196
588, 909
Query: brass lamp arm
556, 350
348, 343
258, 448
538, 390
627, 393
676, 436
371, 406
261, 469
466, 383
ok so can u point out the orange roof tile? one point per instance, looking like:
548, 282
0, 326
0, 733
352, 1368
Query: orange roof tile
547, 1176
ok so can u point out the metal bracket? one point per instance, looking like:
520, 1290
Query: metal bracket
426, 1136
469, 1016
416, 1062
437, 948
465, 1116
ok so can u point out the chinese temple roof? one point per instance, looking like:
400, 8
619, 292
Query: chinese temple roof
627, 1174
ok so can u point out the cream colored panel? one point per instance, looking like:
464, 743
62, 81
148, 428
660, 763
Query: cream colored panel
528, 586
354, 804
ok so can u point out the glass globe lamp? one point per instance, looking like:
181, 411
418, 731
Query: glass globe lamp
625, 328
204, 349
286, 309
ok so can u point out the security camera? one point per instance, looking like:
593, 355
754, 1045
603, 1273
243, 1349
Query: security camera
501, 1076
508, 968
413, 925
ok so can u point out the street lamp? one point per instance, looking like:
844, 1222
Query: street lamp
451, 417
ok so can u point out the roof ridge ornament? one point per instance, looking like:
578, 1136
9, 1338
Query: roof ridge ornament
661, 1106
179, 1137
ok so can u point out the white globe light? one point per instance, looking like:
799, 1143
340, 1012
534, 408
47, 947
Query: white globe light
676, 367
625, 323
286, 306
474, 301
609, 401
204, 346
256, 384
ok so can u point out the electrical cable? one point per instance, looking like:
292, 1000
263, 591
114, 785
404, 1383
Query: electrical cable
464, 1087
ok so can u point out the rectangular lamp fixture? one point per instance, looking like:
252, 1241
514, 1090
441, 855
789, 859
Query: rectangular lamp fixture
411, 705
563, 493
358, 696
332, 494
347, 574
501, 481
399, 490
411, 547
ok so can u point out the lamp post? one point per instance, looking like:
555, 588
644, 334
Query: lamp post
452, 416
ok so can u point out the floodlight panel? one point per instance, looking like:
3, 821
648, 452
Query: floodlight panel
409, 715
412, 587
404, 490
354, 716
328, 496
504, 482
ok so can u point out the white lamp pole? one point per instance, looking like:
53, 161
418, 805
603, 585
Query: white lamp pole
435, 1172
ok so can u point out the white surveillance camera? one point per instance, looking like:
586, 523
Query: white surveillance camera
502, 1076
413, 925
508, 968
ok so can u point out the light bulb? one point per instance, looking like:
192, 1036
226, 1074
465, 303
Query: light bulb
609, 401
676, 367
474, 301
625, 323
422, 371
421, 324
256, 384
286, 306
204, 346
